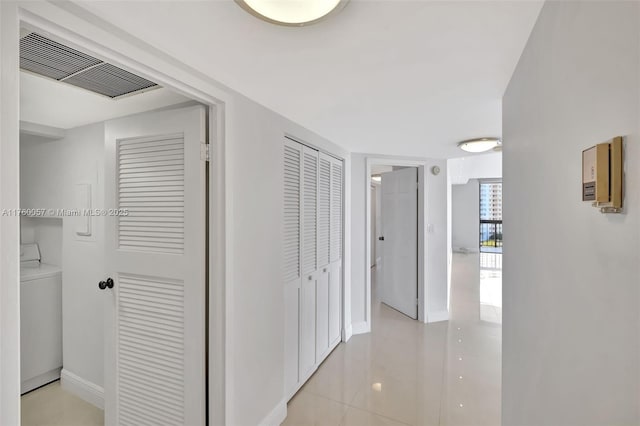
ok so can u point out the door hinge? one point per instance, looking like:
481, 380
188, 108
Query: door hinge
417, 302
205, 152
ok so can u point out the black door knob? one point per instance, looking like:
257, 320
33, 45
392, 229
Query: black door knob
381, 238
106, 284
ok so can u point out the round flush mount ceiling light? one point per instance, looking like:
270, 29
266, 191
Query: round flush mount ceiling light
480, 144
295, 13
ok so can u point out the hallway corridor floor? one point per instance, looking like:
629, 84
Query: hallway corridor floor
408, 373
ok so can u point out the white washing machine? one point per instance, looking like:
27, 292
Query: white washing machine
40, 319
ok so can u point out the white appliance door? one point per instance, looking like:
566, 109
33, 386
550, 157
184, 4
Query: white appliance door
155, 257
399, 205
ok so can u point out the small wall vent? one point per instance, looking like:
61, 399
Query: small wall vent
54, 60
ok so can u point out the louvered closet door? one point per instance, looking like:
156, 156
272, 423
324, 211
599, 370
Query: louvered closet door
309, 252
292, 269
335, 252
155, 322
322, 284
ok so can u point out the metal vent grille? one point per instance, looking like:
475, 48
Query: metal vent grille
51, 59
109, 80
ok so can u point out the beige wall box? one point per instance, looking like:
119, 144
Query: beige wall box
602, 175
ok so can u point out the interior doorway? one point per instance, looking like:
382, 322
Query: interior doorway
395, 221
113, 179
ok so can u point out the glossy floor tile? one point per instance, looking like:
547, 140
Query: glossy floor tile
408, 373
53, 406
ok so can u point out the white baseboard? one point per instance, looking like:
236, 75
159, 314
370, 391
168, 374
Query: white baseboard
360, 327
276, 416
82, 388
42, 379
438, 316
347, 333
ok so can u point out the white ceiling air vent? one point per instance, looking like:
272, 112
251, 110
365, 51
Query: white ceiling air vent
51, 59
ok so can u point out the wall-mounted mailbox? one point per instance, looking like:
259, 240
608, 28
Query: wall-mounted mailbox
602, 175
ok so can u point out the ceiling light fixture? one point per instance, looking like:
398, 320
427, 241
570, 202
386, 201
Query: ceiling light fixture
479, 144
295, 13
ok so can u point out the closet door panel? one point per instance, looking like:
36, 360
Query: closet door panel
324, 210
335, 298
292, 265
309, 261
335, 237
322, 314
335, 251
324, 230
292, 339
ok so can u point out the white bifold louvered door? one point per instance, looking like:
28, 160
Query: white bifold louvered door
155, 319
335, 252
309, 252
292, 258
312, 259
322, 282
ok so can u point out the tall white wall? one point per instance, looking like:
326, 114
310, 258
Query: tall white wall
465, 223
571, 288
49, 174
359, 186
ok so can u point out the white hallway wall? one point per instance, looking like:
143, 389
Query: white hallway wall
571, 299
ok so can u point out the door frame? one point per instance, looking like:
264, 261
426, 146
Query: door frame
422, 226
84, 31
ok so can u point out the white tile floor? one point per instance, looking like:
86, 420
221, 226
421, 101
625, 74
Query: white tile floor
403, 373
53, 406
408, 373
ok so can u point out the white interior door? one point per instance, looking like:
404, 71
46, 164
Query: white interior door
155, 312
322, 283
335, 253
292, 282
309, 262
399, 205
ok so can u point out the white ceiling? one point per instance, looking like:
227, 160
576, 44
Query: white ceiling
51, 103
392, 77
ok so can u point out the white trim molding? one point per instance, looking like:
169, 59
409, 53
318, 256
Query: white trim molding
347, 332
40, 380
361, 327
276, 416
437, 316
82, 388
